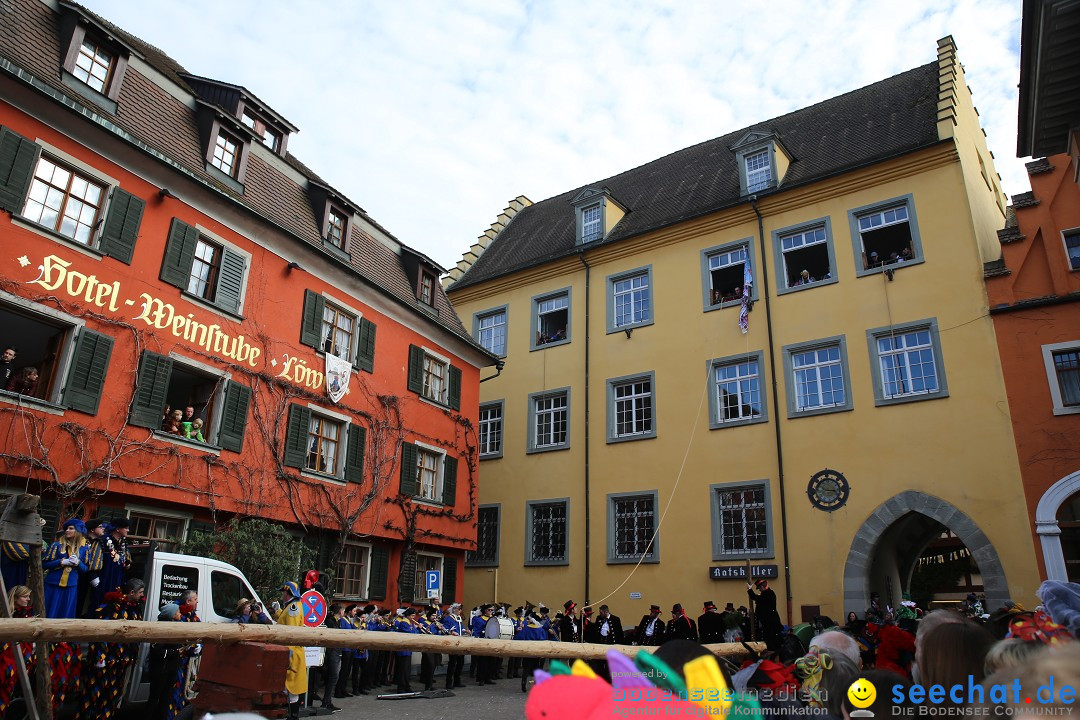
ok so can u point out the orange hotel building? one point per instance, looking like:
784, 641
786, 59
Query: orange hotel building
161, 247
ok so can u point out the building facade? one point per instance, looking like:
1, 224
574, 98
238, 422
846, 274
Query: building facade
771, 350
165, 252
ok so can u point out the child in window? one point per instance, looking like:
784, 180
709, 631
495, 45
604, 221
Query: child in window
173, 423
24, 382
193, 430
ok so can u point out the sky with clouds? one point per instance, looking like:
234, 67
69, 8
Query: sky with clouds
433, 115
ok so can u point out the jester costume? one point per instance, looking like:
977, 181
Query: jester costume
62, 660
14, 563
177, 690
106, 663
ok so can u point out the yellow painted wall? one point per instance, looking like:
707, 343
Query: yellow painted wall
959, 448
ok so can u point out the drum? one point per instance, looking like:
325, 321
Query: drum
499, 628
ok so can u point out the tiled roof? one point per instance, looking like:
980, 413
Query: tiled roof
889, 118
152, 115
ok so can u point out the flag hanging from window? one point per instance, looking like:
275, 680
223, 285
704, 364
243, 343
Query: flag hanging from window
747, 291
338, 372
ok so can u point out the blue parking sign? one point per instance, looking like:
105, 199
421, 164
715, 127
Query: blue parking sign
431, 579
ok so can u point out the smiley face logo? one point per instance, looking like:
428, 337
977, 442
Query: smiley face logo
862, 693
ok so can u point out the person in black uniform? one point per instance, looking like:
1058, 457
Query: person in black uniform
765, 613
650, 631
680, 627
710, 624
569, 626
608, 628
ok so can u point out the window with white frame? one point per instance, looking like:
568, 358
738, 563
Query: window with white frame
736, 387
427, 474
631, 302
491, 331
632, 524
423, 564
336, 225
324, 444
726, 272
885, 235
592, 224
551, 319
270, 138
226, 154
64, 200
741, 521
490, 430
817, 377
205, 266
1062, 363
630, 408
549, 420
487, 538
1072, 248
94, 65
338, 331
805, 256
906, 362
352, 566
435, 377
758, 171
426, 289
547, 532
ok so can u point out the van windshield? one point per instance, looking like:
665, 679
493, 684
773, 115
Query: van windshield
227, 590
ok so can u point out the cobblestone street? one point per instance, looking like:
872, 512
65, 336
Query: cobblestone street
502, 700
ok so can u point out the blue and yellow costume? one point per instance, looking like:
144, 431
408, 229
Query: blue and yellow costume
65, 560
14, 563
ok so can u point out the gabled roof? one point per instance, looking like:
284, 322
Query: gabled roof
889, 118
153, 116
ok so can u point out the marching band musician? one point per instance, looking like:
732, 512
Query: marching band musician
429, 624
403, 660
532, 630
386, 660
545, 622
455, 626
368, 673
513, 668
587, 624
482, 662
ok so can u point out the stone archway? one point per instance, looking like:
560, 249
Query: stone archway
857, 570
1046, 524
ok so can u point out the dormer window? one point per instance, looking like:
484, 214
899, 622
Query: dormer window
94, 65
427, 288
270, 138
597, 214
336, 225
758, 171
226, 154
94, 59
761, 161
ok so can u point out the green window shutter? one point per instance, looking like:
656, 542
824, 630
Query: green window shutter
86, 377
18, 156
234, 416
230, 284
148, 404
408, 469
449, 583
311, 324
416, 369
449, 482
380, 562
354, 454
407, 579
455, 388
297, 432
179, 254
122, 225
365, 354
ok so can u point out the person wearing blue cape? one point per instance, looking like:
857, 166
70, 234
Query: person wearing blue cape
65, 560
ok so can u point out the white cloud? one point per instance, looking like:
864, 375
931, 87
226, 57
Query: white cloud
432, 116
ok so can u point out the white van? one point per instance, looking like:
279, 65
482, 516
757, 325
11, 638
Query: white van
168, 576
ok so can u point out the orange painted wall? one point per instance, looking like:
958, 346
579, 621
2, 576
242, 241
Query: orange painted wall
252, 482
1048, 445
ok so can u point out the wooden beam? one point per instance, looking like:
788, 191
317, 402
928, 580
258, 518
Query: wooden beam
228, 633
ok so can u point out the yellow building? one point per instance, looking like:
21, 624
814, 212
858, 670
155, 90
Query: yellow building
861, 414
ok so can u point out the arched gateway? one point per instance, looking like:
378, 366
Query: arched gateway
892, 538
